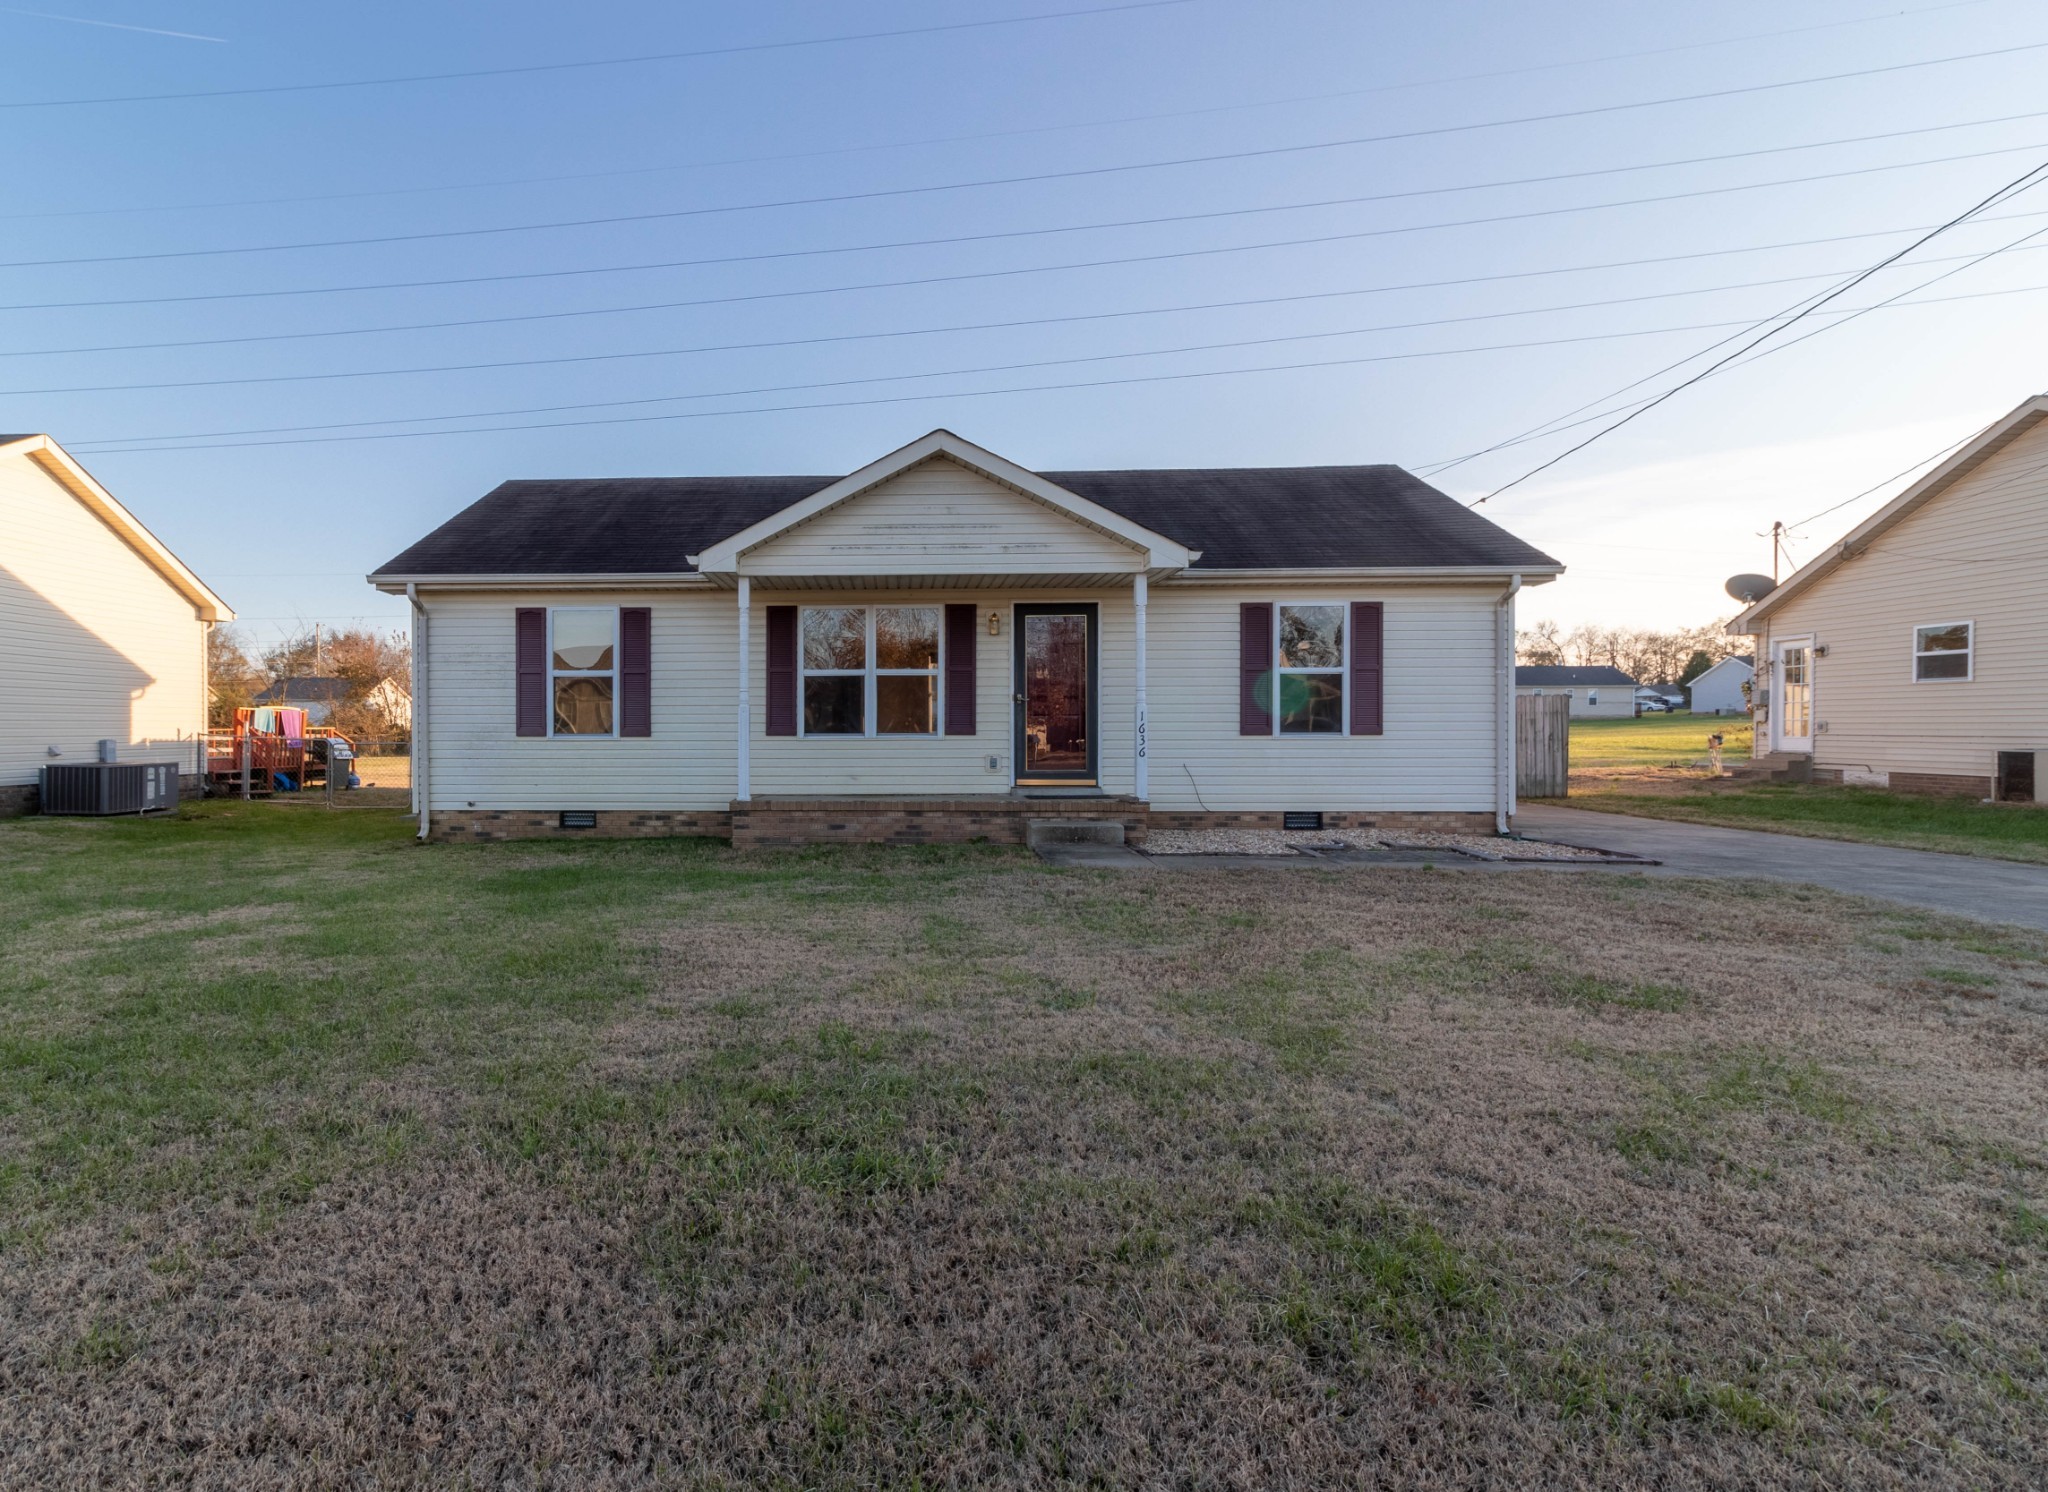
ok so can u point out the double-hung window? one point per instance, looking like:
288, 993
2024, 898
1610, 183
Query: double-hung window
869, 670
1308, 669
1944, 651
583, 668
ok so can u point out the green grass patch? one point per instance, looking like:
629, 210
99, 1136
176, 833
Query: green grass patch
1594, 992
1870, 815
1654, 742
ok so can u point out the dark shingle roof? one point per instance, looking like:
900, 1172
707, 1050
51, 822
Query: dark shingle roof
1241, 518
1552, 673
324, 689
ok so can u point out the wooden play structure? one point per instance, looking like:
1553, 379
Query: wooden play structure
273, 750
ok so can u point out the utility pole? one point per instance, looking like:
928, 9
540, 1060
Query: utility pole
316, 627
1777, 543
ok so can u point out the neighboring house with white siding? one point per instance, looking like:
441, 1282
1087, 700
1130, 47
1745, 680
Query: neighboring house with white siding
1596, 691
1913, 653
1718, 691
105, 628
945, 645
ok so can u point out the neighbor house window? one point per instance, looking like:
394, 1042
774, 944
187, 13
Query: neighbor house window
1309, 669
869, 670
1945, 650
583, 669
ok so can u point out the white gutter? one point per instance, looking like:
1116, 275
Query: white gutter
419, 706
1504, 803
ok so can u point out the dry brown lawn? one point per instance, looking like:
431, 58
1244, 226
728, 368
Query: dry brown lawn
628, 1166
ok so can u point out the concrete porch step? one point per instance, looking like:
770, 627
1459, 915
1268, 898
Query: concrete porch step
1777, 766
1039, 832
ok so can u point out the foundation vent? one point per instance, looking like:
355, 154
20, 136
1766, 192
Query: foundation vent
575, 818
1299, 818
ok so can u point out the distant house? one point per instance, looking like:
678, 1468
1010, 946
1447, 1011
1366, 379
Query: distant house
1909, 653
320, 694
105, 628
1671, 696
1718, 691
1595, 692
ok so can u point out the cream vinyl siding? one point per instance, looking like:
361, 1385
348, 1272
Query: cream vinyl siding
939, 518
1977, 552
475, 758
1441, 706
1615, 699
925, 766
97, 644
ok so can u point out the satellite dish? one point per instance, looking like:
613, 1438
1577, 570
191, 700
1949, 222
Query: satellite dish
1750, 589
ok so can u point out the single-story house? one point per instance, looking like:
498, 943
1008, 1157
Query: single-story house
319, 694
1597, 692
105, 628
945, 645
1910, 652
1718, 691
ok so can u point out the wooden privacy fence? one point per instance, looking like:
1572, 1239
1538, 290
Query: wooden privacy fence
1543, 734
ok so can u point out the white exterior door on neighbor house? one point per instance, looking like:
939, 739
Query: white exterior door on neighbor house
1792, 694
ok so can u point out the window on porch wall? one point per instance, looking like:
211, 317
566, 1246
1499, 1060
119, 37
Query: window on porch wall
862, 664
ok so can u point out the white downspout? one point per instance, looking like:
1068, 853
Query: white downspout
742, 771
420, 709
1141, 767
1504, 803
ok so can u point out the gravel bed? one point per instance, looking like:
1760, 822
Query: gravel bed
1298, 841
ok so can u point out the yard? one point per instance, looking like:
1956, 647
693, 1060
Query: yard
1656, 767
329, 1160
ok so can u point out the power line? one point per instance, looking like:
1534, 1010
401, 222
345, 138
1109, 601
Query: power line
600, 62
1039, 129
1775, 324
1348, 201
1514, 217
1031, 178
1877, 486
979, 326
105, 444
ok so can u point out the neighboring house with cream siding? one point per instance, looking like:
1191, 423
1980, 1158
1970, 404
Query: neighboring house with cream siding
105, 628
1913, 653
945, 645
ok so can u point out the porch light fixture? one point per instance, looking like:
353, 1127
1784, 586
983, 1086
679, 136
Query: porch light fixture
995, 624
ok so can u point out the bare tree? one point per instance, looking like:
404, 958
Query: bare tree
1647, 656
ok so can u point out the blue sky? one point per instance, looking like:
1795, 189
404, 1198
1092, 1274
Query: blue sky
1650, 520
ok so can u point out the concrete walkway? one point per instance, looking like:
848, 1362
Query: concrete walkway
1966, 885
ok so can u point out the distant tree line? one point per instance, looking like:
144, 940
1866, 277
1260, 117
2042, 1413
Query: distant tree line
1647, 656
363, 657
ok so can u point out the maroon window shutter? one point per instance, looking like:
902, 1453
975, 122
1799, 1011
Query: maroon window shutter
636, 671
530, 669
1254, 663
782, 670
1368, 668
960, 669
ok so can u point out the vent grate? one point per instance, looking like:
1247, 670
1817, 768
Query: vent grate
2015, 776
578, 819
1301, 819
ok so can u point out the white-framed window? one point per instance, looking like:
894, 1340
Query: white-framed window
1311, 660
583, 670
1592, 696
868, 670
1944, 652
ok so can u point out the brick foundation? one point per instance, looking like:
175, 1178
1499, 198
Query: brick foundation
788, 823
470, 824
1941, 784
21, 798
784, 823
1443, 822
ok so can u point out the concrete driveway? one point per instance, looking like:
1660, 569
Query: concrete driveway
1994, 890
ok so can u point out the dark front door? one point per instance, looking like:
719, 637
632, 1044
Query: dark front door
1056, 707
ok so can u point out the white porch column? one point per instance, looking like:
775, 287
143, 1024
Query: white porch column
1141, 775
742, 791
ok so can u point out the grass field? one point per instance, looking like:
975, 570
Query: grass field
328, 1160
1654, 767
1653, 743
